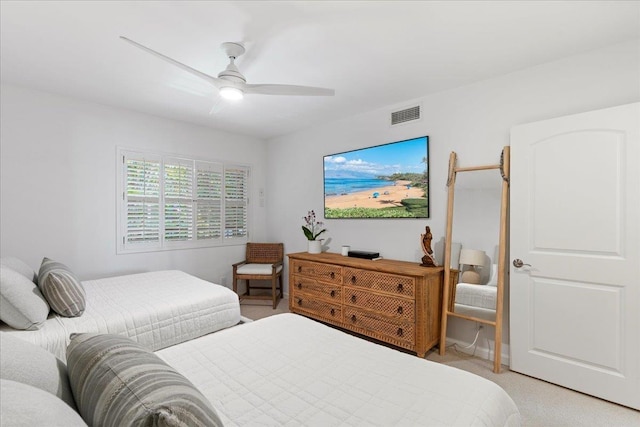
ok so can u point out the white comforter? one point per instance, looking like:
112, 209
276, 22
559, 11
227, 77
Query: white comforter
156, 309
287, 370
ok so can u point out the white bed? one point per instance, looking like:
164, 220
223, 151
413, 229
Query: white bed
287, 370
156, 309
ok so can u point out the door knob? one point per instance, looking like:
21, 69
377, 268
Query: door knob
517, 263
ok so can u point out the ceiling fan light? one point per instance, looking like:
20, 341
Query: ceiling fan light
231, 93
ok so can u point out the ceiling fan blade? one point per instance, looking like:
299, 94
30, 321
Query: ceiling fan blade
267, 89
213, 80
217, 106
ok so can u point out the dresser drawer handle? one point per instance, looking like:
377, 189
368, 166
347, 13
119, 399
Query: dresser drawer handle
353, 279
299, 269
333, 312
333, 294
332, 275
353, 318
400, 287
299, 301
299, 285
353, 298
399, 309
400, 332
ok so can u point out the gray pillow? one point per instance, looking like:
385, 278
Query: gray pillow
62, 289
21, 267
25, 405
22, 306
116, 382
29, 364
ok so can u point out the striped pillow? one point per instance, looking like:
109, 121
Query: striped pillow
116, 382
61, 288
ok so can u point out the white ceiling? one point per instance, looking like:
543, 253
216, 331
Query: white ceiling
373, 53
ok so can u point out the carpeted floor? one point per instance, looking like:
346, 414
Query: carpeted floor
541, 404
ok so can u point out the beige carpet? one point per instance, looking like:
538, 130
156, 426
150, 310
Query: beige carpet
541, 404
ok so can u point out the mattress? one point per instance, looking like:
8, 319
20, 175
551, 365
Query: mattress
156, 309
287, 370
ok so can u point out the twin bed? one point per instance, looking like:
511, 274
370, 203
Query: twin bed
156, 309
287, 370
284, 370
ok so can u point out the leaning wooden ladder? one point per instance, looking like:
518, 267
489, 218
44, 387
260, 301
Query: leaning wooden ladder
504, 168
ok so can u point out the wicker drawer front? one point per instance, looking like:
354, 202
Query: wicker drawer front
381, 327
311, 288
325, 272
400, 308
317, 308
399, 285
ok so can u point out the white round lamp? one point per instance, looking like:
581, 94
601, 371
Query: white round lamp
231, 93
475, 259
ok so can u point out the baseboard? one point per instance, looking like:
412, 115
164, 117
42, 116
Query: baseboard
481, 351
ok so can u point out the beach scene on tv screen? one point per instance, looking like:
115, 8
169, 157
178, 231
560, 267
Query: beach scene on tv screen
385, 181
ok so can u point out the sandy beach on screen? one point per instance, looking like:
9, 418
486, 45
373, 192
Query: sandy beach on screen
389, 196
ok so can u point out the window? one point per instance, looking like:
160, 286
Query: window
168, 202
235, 202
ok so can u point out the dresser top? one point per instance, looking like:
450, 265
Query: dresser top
382, 265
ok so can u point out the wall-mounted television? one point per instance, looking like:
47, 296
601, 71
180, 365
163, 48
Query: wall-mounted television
384, 181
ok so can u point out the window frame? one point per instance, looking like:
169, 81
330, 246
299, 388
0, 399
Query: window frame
198, 164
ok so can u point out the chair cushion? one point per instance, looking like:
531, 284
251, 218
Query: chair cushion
22, 306
61, 288
116, 382
25, 405
264, 269
30, 364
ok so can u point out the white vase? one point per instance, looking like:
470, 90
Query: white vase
315, 246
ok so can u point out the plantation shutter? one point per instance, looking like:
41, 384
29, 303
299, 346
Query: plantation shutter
178, 200
236, 194
208, 200
169, 202
141, 198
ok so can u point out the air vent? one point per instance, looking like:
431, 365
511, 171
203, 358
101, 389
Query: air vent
406, 115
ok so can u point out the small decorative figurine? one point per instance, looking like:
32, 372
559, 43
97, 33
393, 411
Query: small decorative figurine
428, 260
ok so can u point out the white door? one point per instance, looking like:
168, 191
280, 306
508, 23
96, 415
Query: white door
575, 218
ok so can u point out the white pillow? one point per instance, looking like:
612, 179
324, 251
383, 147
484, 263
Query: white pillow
22, 306
19, 266
25, 405
493, 276
27, 363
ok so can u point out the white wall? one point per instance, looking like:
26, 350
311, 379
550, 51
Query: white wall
58, 169
474, 121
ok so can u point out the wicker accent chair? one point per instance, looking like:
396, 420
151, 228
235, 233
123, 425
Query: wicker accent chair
263, 261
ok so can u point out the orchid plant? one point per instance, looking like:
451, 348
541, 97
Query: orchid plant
310, 230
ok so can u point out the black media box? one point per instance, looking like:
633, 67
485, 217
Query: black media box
364, 254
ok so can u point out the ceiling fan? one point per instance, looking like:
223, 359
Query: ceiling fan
231, 83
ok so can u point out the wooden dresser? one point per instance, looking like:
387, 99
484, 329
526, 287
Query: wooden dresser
397, 302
